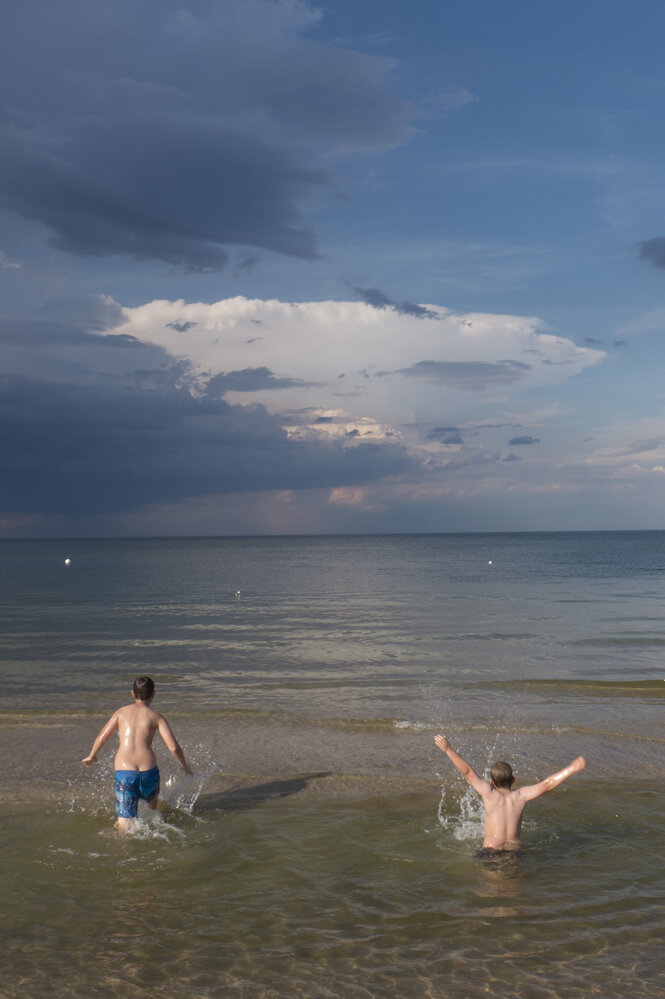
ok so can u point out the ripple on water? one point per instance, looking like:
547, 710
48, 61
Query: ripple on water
379, 897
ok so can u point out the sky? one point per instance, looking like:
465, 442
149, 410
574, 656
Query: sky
281, 267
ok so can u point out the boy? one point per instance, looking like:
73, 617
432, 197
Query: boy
503, 806
136, 771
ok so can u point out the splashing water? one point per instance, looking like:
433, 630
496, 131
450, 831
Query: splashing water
182, 791
151, 825
468, 824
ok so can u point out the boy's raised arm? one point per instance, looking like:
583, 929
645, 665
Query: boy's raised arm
549, 783
466, 770
103, 737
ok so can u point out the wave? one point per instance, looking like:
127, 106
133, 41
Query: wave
611, 688
622, 641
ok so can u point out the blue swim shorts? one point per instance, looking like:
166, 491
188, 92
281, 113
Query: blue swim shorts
130, 785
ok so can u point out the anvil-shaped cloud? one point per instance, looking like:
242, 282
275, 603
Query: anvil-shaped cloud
382, 363
109, 409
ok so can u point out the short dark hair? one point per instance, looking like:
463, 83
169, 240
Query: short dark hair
502, 774
144, 688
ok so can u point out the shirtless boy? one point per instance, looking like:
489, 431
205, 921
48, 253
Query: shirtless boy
136, 771
503, 806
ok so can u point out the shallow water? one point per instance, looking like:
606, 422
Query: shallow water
374, 898
327, 847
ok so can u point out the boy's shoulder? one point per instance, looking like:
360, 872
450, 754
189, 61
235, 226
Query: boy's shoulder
126, 709
135, 710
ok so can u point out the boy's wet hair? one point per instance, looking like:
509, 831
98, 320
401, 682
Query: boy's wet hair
144, 688
502, 774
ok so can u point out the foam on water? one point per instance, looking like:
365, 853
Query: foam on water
151, 825
413, 726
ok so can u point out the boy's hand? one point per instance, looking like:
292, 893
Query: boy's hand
442, 742
89, 760
578, 764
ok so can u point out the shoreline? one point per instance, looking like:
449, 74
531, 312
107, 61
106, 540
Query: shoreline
40, 757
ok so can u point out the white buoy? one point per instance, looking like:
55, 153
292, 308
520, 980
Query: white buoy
68, 562
490, 562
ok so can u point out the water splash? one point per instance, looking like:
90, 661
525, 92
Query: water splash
91, 791
466, 823
151, 825
469, 823
181, 791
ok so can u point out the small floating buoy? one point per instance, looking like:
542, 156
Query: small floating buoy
490, 562
68, 562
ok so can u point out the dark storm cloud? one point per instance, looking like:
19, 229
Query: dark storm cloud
446, 435
438, 431
23, 333
181, 327
250, 380
164, 189
90, 314
516, 441
466, 375
70, 322
92, 427
247, 264
306, 417
378, 300
67, 352
653, 251
99, 450
645, 444
165, 131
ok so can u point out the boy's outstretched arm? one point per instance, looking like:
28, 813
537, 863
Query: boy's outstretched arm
172, 744
549, 783
466, 770
103, 737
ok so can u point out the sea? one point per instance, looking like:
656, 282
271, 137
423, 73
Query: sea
325, 848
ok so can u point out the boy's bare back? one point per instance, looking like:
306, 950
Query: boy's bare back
504, 807
137, 724
503, 818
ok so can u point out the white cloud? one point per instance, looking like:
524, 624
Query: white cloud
371, 367
7, 264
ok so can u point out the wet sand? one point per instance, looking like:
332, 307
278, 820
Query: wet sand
40, 760
274, 756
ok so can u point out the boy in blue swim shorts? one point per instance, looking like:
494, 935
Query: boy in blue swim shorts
136, 771
132, 786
